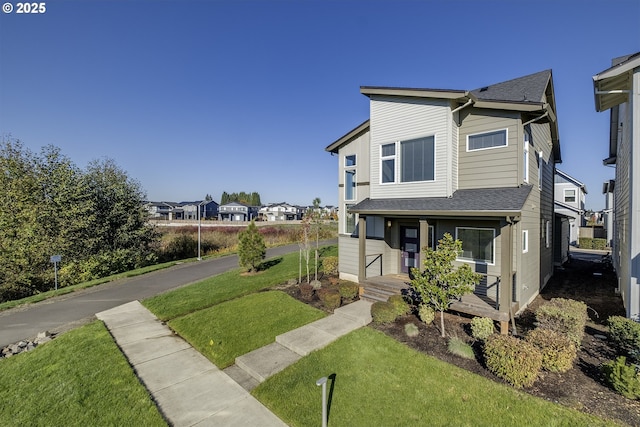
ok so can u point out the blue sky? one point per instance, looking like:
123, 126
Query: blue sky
200, 97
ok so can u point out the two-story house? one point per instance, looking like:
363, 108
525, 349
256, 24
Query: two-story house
235, 211
476, 164
569, 200
208, 209
618, 89
279, 212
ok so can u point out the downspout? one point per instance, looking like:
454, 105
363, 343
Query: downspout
471, 101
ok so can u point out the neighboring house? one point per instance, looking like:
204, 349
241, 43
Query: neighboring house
159, 210
208, 209
569, 200
476, 164
608, 219
173, 211
279, 212
618, 89
235, 211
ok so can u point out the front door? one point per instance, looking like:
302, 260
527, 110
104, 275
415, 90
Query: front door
410, 246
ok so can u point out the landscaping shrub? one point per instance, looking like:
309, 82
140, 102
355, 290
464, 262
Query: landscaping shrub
623, 378
591, 243
517, 362
558, 351
306, 291
383, 312
481, 328
400, 306
330, 265
625, 335
330, 297
565, 316
460, 348
411, 330
348, 290
426, 313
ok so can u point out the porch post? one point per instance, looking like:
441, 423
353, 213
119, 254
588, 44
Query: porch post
362, 248
424, 240
506, 273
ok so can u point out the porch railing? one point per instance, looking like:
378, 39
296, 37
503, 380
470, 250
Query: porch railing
377, 257
489, 287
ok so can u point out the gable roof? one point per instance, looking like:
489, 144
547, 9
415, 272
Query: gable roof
568, 177
471, 202
526, 89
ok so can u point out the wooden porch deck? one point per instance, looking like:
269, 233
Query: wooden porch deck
380, 288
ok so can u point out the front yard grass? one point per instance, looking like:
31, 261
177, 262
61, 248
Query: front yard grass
375, 380
79, 379
226, 286
236, 327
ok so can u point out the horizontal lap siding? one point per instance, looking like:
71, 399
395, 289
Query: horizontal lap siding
494, 167
348, 255
400, 120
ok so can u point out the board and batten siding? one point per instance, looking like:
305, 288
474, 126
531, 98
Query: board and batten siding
492, 167
400, 119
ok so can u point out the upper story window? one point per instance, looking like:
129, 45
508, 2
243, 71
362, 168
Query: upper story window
569, 195
483, 141
526, 143
388, 163
540, 169
477, 244
415, 159
350, 177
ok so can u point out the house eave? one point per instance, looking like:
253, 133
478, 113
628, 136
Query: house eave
514, 214
611, 86
357, 131
412, 92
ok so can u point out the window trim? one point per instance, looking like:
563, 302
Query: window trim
478, 261
547, 233
564, 195
395, 158
401, 160
506, 139
525, 241
346, 216
355, 163
351, 169
527, 141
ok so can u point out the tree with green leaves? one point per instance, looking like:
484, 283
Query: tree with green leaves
316, 219
251, 248
440, 283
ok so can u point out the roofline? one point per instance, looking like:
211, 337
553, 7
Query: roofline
334, 146
457, 213
414, 92
569, 207
629, 64
566, 175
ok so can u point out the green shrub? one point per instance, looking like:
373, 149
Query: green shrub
411, 330
383, 312
514, 360
481, 328
348, 290
251, 248
330, 265
623, 378
330, 297
460, 348
426, 313
399, 305
558, 351
564, 316
591, 243
625, 335
306, 291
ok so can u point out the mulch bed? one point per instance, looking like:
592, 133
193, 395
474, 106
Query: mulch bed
582, 387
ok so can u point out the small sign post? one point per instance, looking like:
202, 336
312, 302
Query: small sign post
55, 259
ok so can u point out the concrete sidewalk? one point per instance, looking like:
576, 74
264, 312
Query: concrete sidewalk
190, 390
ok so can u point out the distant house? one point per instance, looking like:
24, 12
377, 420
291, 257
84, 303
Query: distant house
617, 89
279, 212
159, 210
476, 164
208, 209
569, 200
235, 211
173, 211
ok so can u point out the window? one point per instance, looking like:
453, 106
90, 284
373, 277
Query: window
483, 141
350, 177
388, 163
477, 244
349, 220
375, 227
569, 195
526, 156
417, 158
547, 234
540, 170
525, 241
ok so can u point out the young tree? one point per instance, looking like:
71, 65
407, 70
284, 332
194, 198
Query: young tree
305, 246
251, 248
440, 283
315, 215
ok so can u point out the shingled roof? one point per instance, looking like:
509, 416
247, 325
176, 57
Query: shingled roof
483, 201
529, 88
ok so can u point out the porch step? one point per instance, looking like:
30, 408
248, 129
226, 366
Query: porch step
381, 292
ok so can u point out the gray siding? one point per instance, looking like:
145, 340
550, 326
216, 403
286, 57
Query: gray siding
494, 167
359, 146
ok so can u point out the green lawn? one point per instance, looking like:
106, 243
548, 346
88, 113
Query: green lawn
236, 327
379, 381
79, 379
225, 287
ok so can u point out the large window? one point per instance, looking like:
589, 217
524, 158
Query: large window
569, 195
350, 177
483, 141
477, 244
388, 163
418, 159
375, 227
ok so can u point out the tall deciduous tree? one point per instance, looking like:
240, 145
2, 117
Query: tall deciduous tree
440, 283
251, 248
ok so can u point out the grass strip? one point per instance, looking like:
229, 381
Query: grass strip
226, 286
236, 327
375, 380
79, 379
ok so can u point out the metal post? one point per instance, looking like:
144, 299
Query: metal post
323, 382
55, 272
199, 224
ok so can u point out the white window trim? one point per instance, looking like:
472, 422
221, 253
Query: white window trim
525, 241
344, 222
351, 168
395, 159
398, 161
493, 252
540, 169
547, 233
355, 158
506, 140
575, 195
526, 143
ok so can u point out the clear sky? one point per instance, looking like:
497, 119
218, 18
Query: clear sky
200, 97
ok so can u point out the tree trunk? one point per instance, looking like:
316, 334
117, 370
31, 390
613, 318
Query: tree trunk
442, 323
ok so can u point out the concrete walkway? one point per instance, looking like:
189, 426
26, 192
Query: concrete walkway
190, 390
